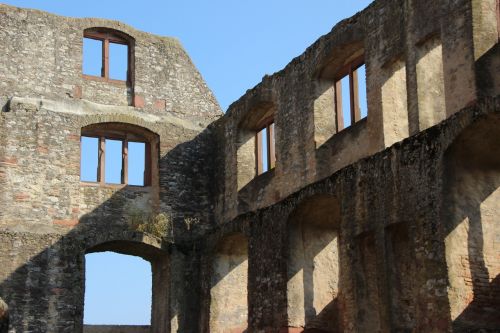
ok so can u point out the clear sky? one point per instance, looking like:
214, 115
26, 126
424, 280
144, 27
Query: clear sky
233, 44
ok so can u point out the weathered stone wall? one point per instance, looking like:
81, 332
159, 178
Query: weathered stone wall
42, 57
420, 69
395, 256
115, 329
388, 225
48, 218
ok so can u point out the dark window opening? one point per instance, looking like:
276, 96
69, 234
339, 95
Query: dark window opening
350, 94
106, 56
265, 152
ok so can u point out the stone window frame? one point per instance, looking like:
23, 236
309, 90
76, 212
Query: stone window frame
350, 70
125, 133
107, 36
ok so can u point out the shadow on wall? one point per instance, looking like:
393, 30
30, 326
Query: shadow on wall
314, 277
45, 293
4, 317
228, 287
471, 210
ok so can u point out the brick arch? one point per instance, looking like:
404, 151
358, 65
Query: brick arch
136, 122
125, 242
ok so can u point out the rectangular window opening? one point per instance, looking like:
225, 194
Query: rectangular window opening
89, 159
346, 102
265, 149
350, 95
136, 163
363, 107
92, 57
113, 162
118, 61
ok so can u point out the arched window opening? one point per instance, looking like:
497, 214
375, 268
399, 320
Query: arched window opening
350, 93
107, 55
117, 291
114, 153
256, 152
340, 93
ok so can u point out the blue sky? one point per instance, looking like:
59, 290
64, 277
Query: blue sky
233, 44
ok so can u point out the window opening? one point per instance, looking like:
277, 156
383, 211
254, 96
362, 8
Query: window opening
92, 57
344, 102
106, 55
136, 160
89, 159
118, 54
265, 148
363, 105
113, 161
350, 94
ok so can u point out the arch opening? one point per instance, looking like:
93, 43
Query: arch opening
313, 265
117, 290
228, 292
125, 288
470, 213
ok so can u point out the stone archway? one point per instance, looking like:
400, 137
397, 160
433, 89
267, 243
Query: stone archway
149, 249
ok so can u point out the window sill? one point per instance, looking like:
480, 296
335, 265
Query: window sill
120, 83
137, 188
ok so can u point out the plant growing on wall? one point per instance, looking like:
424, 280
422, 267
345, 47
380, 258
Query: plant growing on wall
159, 225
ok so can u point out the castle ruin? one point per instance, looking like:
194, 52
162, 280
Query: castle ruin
298, 210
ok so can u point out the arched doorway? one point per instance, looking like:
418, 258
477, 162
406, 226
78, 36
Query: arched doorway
159, 265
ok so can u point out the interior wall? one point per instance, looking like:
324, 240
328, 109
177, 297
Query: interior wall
471, 210
430, 83
367, 292
313, 265
401, 267
228, 293
394, 102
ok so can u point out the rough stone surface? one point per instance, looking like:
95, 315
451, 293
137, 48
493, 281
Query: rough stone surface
4, 317
389, 225
115, 329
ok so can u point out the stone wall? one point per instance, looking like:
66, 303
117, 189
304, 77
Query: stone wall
387, 225
420, 69
45, 50
49, 219
115, 329
401, 241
